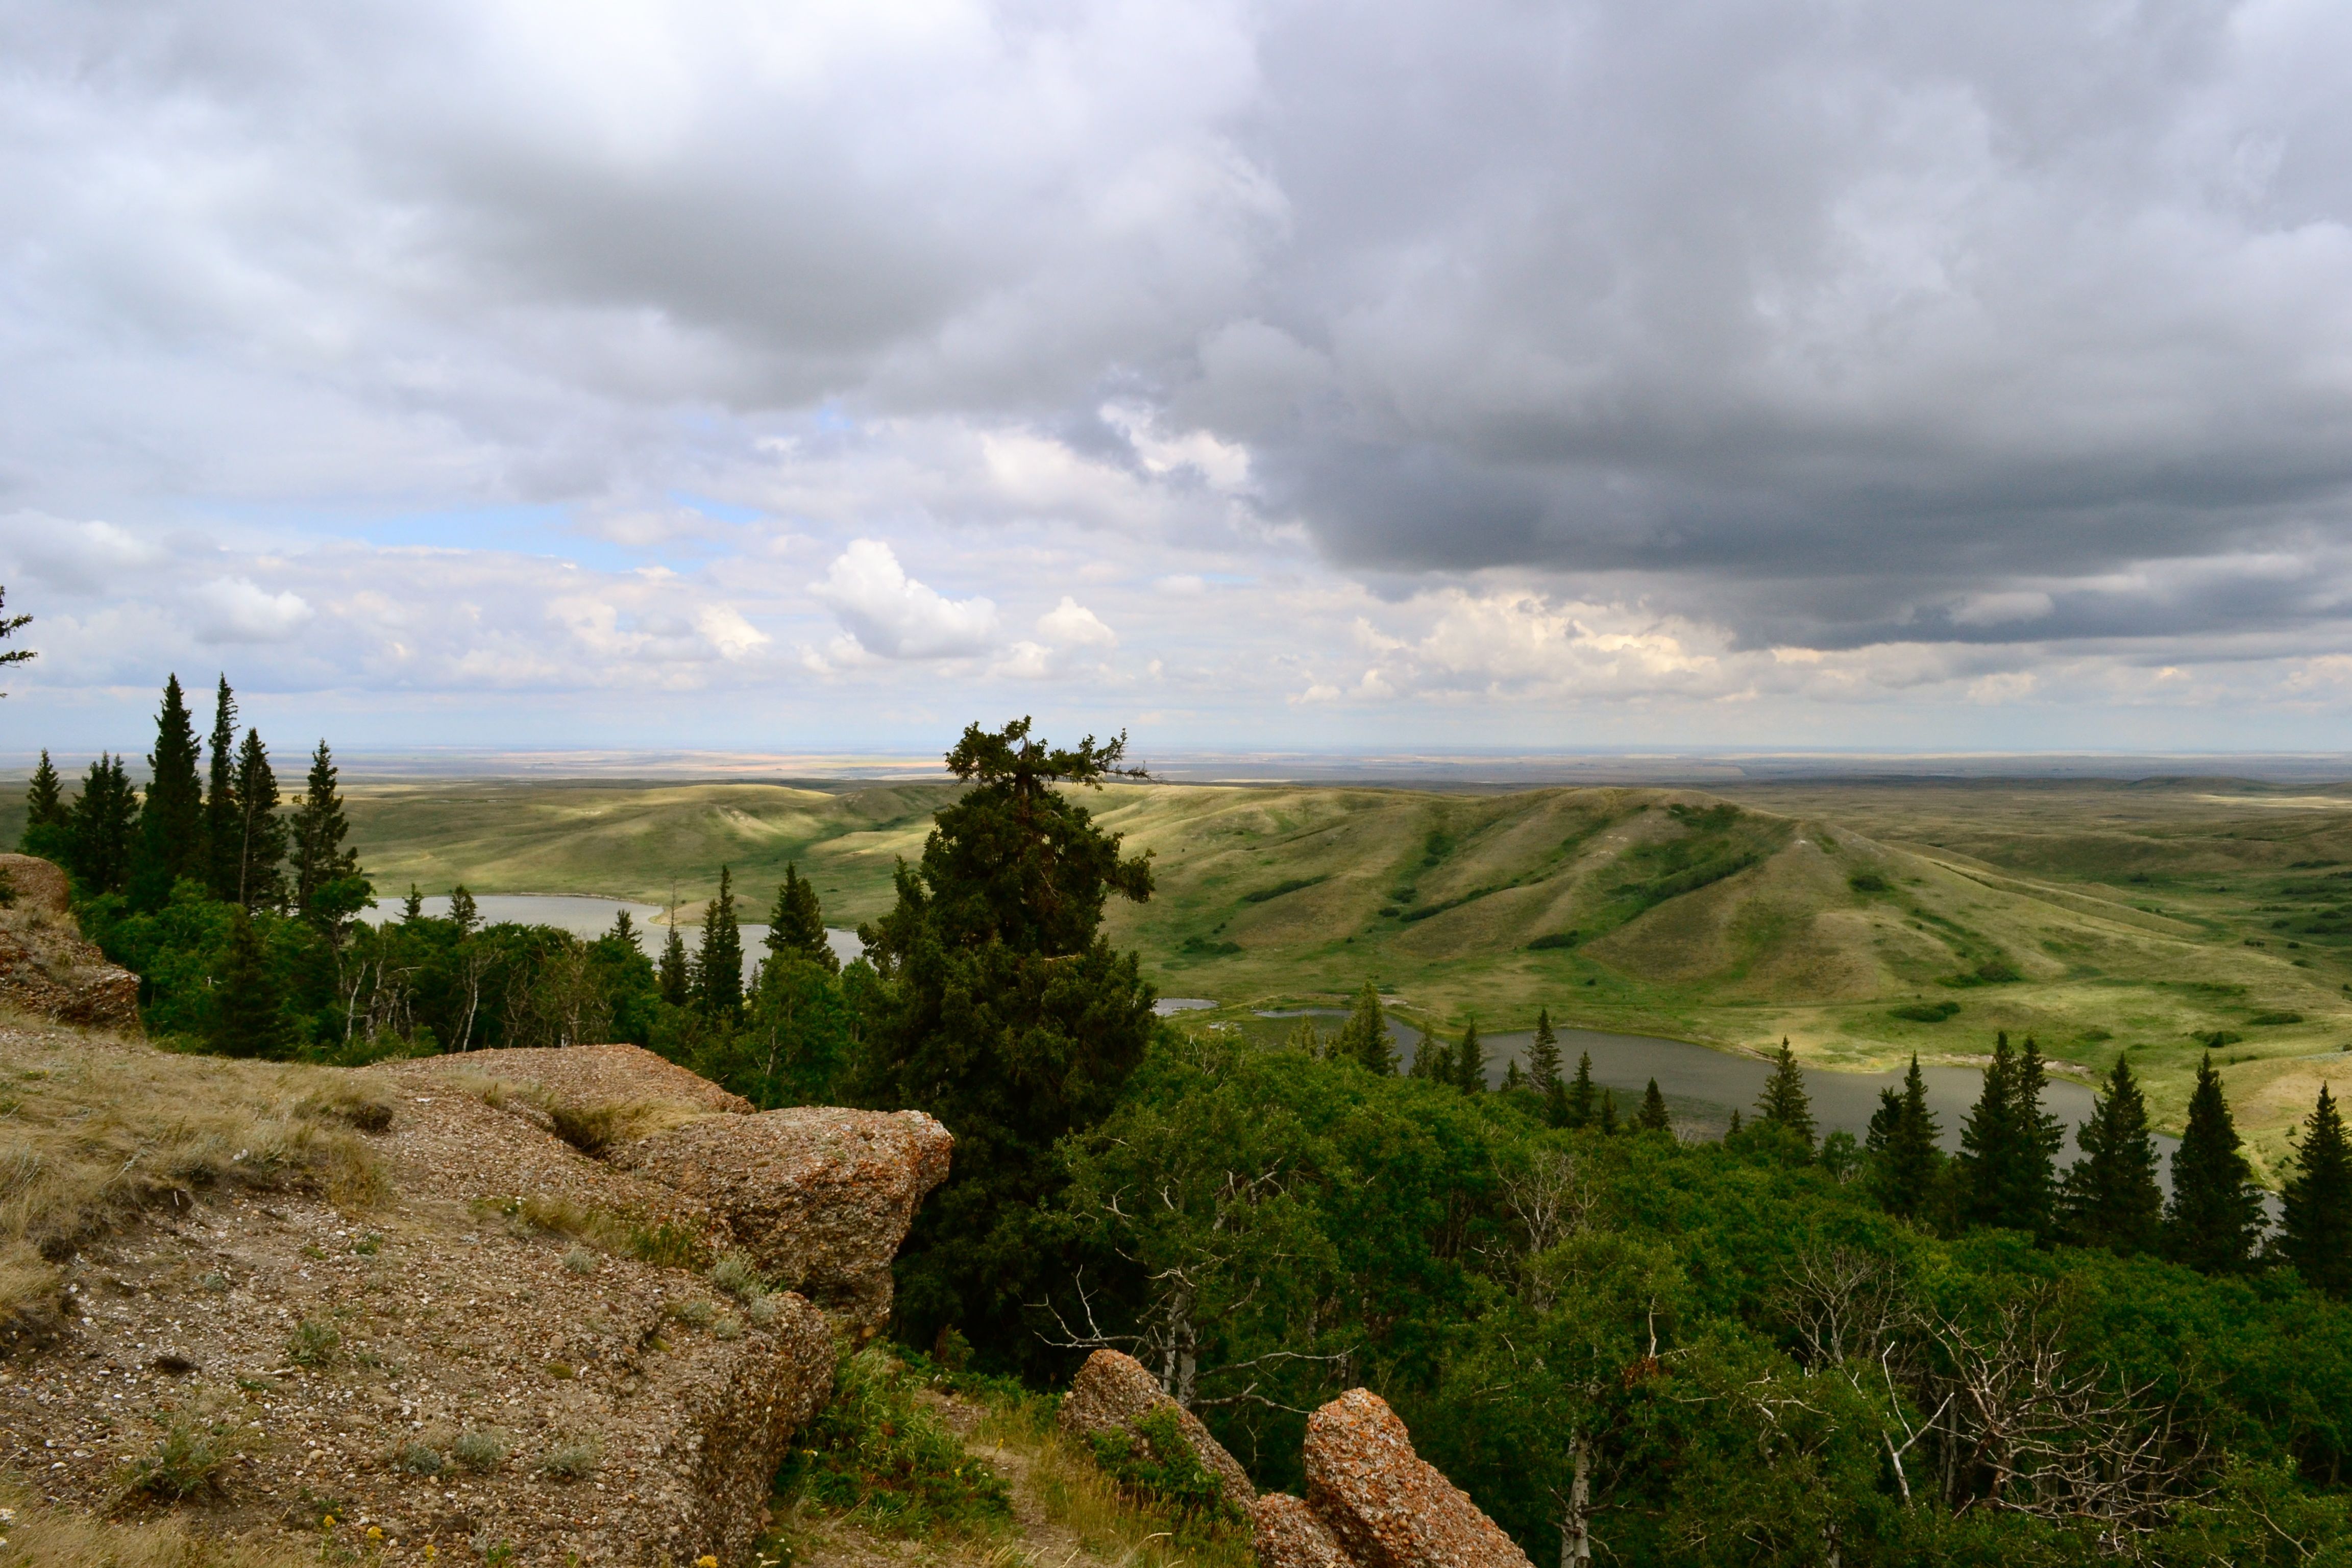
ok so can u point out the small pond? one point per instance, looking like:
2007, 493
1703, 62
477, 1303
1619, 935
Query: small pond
594, 917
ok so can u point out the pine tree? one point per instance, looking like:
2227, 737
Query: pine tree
719, 967
412, 908
328, 887
9, 626
261, 833
1580, 1100
223, 827
674, 973
249, 1009
2216, 1210
1543, 1056
1608, 1111
1433, 1060
103, 826
1732, 1131
797, 926
2110, 1197
1901, 1156
2316, 1232
1470, 1061
1364, 1039
464, 914
48, 829
624, 933
171, 818
2008, 1146
1514, 1079
1784, 1102
1653, 1117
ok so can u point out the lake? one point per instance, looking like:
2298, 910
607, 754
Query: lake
594, 917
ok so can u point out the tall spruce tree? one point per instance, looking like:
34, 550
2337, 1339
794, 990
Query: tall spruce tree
328, 887
49, 824
719, 967
224, 825
1433, 1060
249, 1007
1004, 1012
2315, 1221
1607, 1120
1543, 1056
1653, 1117
1364, 1038
1902, 1161
2109, 1197
259, 834
1580, 1100
1470, 1061
675, 973
2008, 1146
797, 925
171, 817
1784, 1102
2216, 1211
467, 915
103, 827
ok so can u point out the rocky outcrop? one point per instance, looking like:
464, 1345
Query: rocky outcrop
819, 1198
46, 967
1112, 1393
1372, 1502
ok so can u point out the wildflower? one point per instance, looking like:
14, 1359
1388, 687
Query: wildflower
706, 1561
375, 1532
328, 1523
430, 1552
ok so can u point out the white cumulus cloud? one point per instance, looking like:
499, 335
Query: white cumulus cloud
892, 615
234, 609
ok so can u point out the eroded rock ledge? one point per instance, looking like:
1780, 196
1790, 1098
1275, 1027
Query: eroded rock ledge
1372, 1502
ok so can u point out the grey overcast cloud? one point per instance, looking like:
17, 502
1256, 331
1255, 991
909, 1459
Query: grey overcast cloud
1371, 376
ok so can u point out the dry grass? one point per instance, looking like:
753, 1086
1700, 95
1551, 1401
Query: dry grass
1064, 1481
591, 1127
95, 1128
39, 1536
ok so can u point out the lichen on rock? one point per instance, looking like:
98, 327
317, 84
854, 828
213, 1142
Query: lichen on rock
1113, 1393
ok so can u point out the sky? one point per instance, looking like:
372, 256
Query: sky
1363, 376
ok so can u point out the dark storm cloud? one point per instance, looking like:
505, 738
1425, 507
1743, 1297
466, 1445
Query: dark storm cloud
1832, 324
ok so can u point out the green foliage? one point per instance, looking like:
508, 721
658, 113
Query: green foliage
1869, 882
1902, 1162
9, 626
48, 827
1156, 1463
1470, 1061
1364, 1038
249, 1008
2008, 1145
1926, 1012
185, 1463
1543, 1056
314, 1343
2317, 1209
1553, 939
170, 843
102, 830
257, 851
1784, 1104
797, 927
2216, 1210
719, 966
2110, 1197
1653, 1117
876, 1453
329, 889
1294, 884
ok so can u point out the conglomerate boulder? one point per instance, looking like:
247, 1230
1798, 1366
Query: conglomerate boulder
1378, 1504
46, 967
1113, 1392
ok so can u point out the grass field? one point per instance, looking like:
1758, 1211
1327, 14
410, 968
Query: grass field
1864, 919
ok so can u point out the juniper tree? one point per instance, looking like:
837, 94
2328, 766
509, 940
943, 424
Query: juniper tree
1470, 1061
1902, 1158
2110, 1197
1653, 1117
1578, 1101
1543, 1056
48, 825
261, 833
249, 1008
1004, 1010
102, 827
171, 817
1784, 1102
328, 887
2008, 1145
2315, 1221
223, 827
797, 925
2216, 1211
1364, 1038
719, 967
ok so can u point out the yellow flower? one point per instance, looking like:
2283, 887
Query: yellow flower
375, 1532
328, 1523
430, 1552
706, 1561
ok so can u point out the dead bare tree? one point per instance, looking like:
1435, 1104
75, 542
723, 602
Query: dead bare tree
1550, 1200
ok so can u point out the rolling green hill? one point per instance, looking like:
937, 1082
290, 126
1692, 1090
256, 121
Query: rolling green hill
1863, 923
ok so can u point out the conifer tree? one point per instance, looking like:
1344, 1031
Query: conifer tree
1653, 1117
1514, 1079
260, 833
2216, 1210
48, 825
224, 825
1470, 1061
1902, 1157
1608, 1122
9, 626
1433, 1060
249, 1009
328, 887
1784, 1102
2110, 1197
412, 908
1543, 1056
1732, 1131
102, 827
1364, 1038
797, 926
624, 933
464, 914
719, 967
2316, 1231
171, 818
674, 973
2008, 1146
1582, 1101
